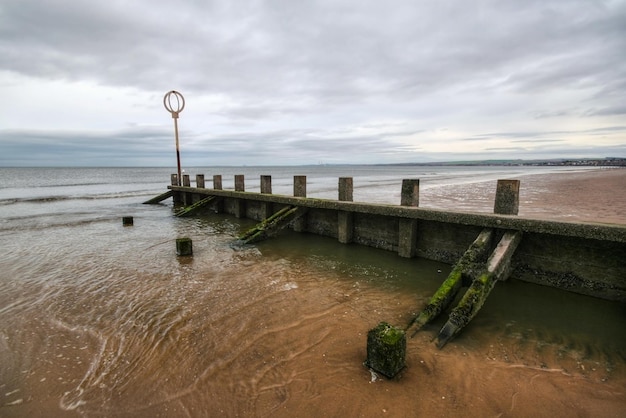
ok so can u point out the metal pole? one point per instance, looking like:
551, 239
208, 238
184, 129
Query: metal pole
180, 177
180, 105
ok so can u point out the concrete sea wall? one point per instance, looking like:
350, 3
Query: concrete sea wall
585, 258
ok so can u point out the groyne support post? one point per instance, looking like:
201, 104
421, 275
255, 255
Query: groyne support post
200, 181
266, 188
299, 190
407, 234
240, 204
386, 350
507, 197
184, 246
217, 185
345, 220
177, 196
217, 182
497, 268
476, 252
187, 197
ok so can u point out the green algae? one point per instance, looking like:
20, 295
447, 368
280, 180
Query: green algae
453, 283
386, 349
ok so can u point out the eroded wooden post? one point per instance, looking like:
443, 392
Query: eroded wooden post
187, 197
240, 185
299, 190
217, 182
217, 185
266, 188
345, 220
299, 186
200, 181
386, 349
184, 246
410, 194
407, 234
507, 197
176, 196
240, 204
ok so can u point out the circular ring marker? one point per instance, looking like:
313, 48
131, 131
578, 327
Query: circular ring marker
174, 102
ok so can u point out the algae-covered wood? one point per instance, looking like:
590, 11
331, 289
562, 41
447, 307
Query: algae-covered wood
450, 287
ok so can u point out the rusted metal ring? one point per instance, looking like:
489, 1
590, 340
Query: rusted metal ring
178, 101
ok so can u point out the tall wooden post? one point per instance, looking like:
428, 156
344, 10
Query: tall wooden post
217, 182
407, 232
266, 188
217, 185
345, 220
240, 204
299, 190
200, 181
176, 196
299, 186
507, 197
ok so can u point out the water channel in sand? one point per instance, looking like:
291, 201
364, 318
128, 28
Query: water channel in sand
98, 319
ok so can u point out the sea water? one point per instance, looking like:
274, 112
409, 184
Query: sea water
99, 319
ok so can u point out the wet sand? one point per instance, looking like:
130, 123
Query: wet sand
589, 196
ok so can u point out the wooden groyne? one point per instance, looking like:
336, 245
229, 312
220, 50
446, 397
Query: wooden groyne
484, 248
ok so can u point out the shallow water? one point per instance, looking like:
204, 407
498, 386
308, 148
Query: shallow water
98, 319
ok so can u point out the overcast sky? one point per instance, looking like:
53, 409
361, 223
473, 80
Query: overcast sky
308, 82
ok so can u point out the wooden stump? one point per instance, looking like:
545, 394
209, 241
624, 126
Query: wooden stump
184, 246
386, 349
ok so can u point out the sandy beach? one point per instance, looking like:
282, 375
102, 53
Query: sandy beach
590, 196
587, 196
122, 327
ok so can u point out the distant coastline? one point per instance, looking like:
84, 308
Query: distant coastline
555, 162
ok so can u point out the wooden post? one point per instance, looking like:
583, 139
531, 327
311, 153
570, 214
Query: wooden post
407, 234
127, 221
266, 188
299, 190
346, 187
184, 246
507, 197
217, 185
187, 197
176, 196
299, 186
217, 182
240, 185
200, 181
345, 220
386, 349
240, 204
410, 195
266, 184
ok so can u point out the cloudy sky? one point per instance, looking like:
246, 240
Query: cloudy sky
308, 82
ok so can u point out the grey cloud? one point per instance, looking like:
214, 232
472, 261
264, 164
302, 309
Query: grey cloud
314, 72
607, 111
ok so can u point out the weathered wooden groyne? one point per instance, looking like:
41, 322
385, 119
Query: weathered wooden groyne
582, 257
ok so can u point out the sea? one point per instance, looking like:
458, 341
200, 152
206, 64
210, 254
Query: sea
100, 319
